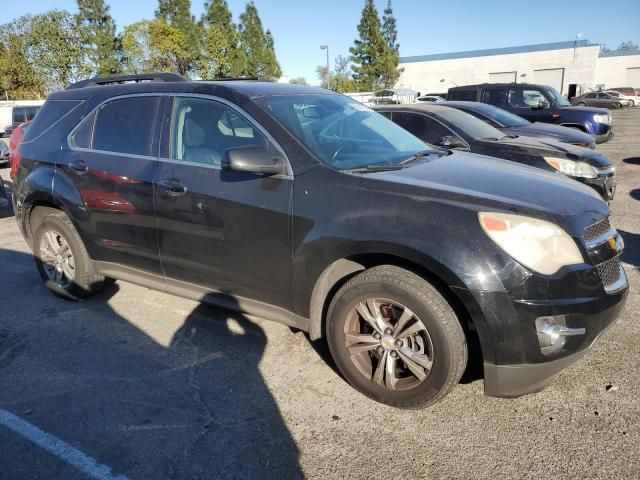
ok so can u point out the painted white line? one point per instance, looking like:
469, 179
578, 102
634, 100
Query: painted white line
57, 447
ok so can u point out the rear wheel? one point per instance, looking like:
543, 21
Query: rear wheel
395, 338
61, 258
581, 104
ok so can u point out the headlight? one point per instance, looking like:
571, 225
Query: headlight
572, 168
603, 119
537, 244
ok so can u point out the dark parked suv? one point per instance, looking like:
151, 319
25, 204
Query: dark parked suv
539, 103
305, 207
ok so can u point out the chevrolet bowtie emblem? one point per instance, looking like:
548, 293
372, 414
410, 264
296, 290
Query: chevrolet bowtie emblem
616, 243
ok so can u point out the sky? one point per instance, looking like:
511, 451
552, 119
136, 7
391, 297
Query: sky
300, 27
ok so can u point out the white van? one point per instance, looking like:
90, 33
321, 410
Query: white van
15, 112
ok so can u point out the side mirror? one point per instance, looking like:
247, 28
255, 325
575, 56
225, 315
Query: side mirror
450, 141
253, 159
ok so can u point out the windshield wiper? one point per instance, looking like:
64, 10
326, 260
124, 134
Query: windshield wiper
419, 155
377, 168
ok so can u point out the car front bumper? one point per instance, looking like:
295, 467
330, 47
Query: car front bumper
604, 136
605, 185
514, 362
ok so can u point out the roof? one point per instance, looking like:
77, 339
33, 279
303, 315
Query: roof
224, 88
541, 47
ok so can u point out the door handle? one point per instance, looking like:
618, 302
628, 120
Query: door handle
173, 187
79, 167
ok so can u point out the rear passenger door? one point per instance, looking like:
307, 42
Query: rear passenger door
111, 164
226, 231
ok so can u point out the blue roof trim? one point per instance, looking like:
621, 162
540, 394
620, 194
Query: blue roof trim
498, 51
619, 54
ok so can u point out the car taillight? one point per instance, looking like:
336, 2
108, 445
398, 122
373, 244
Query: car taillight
14, 162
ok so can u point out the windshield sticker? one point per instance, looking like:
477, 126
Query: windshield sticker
358, 107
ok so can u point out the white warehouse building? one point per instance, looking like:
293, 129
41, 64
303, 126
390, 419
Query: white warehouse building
571, 67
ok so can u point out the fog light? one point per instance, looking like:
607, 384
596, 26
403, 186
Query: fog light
553, 333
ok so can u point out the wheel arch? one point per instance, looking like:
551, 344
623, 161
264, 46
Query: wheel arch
577, 126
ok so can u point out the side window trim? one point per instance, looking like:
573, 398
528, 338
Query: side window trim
165, 112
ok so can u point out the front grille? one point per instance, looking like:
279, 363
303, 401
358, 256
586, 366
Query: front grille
609, 271
597, 229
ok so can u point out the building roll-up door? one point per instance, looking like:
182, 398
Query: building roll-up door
633, 77
552, 77
502, 77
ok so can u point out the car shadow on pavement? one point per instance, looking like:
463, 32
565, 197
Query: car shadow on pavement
631, 254
632, 160
150, 398
635, 193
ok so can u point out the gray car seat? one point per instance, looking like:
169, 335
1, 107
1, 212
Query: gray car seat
194, 139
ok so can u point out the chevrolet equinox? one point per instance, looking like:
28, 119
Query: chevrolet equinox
305, 207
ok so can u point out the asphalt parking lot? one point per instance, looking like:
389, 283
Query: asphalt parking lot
139, 384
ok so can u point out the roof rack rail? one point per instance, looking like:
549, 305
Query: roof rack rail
120, 79
233, 79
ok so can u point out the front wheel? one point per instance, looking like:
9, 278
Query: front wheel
581, 104
395, 338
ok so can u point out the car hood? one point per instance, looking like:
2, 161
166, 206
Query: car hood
548, 147
553, 132
478, 182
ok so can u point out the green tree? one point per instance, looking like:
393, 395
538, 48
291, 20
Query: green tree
177, 14
298, 81
391, 59
257, 46
18, 78
153, 45
54, 49
221, 56
369, 50
342, 81
98, 31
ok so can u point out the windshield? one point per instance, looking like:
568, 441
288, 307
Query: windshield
342, 132
557, 98
471, 126
502, 117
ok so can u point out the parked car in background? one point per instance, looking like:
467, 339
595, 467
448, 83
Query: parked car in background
13, 113
538, 103
14, 143
450, 128
430, 98
631, 92
4, 153
598, 99
511, 124
631, 101
327, 217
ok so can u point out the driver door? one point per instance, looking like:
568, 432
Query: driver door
530, 103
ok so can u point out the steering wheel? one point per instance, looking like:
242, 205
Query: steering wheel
341, 149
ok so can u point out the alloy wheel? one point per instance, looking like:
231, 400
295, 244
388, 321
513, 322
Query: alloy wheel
388, 344
57, 259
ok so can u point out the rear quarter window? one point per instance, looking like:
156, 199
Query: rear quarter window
465, 95
48, 115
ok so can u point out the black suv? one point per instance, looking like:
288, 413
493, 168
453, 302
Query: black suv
305, 207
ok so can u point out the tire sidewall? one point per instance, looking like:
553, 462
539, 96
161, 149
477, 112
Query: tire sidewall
76, 289
432, 320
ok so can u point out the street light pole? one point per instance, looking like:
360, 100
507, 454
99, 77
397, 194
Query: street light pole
328, 74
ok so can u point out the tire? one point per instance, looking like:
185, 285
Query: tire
55, 236
581, 104
439, 338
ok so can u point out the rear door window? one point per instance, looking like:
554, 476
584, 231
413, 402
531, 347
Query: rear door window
466, 95
494, 96
125, 126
